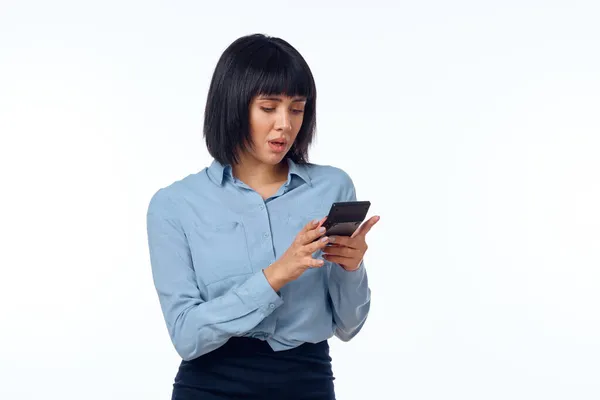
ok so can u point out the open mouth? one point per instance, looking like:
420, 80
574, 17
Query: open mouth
277, 145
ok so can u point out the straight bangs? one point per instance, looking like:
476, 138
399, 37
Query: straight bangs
276, 72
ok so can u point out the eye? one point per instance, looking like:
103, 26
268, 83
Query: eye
266, 109
297, 111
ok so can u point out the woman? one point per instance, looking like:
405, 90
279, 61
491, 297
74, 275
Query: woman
250, 288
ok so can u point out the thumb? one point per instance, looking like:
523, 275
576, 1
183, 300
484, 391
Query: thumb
366, 227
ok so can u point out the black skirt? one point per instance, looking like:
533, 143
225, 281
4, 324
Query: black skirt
249, 369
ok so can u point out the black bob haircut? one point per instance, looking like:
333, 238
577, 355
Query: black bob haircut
256, 65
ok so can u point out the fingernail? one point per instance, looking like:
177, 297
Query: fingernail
332, 239
315, 222
322, 229
324, 239
320, 262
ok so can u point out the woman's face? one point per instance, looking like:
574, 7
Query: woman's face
274, 124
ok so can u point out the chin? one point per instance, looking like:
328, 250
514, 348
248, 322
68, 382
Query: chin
273, 159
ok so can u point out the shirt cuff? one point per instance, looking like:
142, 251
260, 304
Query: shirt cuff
344, 276
258, 291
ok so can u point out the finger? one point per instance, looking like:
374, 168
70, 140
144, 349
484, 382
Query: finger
310, 226
316, 245
344, 241
313, 262
366, 227
341, 252
311, 231
312, 235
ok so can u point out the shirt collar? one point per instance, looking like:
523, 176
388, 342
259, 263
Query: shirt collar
299, 170
218, 172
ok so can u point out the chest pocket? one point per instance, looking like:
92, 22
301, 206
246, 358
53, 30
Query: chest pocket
219, 250
297, 219
296, 222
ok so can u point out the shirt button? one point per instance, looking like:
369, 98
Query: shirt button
266, 234
262, 207
271, 306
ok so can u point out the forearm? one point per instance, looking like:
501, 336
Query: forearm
350, 299
197, 327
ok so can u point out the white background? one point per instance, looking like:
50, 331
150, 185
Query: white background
473, 127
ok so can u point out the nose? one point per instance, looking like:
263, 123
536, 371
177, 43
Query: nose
283, 122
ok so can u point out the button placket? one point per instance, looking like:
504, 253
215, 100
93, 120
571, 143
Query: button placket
266, 252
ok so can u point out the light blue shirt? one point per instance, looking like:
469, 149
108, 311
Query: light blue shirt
210, 237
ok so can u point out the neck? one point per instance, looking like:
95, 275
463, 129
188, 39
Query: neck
254, 173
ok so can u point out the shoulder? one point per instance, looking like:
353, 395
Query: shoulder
165, 200
329, 174
332, 181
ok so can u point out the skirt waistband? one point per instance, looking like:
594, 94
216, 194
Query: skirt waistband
249, 368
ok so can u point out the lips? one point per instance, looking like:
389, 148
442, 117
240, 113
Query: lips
280, 142
278, 145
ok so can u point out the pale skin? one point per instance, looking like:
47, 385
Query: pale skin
280, 118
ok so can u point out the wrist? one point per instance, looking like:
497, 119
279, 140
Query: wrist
274, 277
354, 267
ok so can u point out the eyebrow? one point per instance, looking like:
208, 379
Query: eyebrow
297, 99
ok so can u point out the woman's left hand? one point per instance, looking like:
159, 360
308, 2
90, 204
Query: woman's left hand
348, 252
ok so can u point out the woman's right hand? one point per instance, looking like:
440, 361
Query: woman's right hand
298, 257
